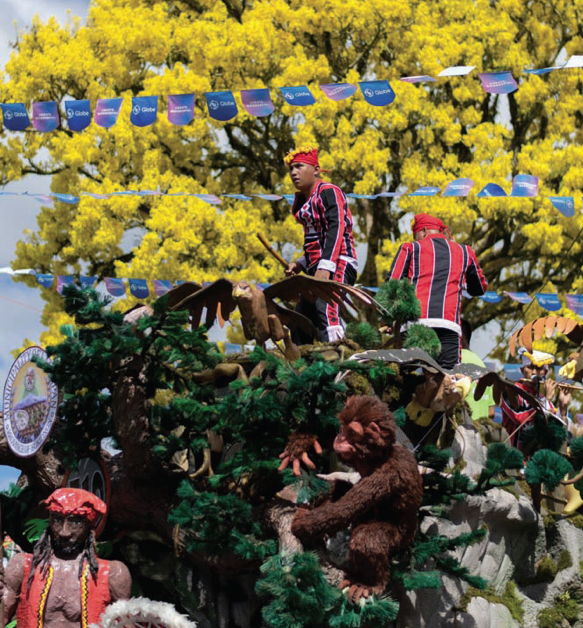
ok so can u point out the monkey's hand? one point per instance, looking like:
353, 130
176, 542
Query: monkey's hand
296, 451
356, 592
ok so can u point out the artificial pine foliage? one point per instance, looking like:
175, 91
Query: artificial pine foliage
218, 524
500, 457
297, 592
576, 451
310, 487
400, 416
547, 467
544, 431
364, 334
373, 612
423, 337
86, 364
299, 597
397, 297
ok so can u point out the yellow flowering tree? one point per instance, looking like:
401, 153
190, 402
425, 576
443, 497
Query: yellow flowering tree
432, 133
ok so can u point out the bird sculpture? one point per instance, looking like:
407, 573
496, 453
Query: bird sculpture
262, 318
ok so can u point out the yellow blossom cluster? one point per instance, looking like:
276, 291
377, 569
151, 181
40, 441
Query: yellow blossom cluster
432, 133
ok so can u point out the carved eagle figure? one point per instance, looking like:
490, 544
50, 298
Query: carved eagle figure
261, 317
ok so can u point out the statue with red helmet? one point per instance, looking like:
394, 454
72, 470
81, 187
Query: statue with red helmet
63, 584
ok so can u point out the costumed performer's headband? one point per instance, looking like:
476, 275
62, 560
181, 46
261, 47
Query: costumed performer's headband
537, 358
431, 223
303, 155
76, 501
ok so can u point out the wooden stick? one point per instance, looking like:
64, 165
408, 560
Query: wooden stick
275, 254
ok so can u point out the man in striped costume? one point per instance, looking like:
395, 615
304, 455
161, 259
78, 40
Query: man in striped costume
440, 270
322, 210
63, 584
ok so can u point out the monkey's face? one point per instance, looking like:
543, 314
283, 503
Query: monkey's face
362, 442
346, 443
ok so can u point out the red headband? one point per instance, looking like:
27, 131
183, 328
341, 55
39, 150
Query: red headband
76, 501
310, 158
425, 221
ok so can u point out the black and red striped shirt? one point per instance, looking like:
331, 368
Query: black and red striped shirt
440, 270
327, 224
522, 412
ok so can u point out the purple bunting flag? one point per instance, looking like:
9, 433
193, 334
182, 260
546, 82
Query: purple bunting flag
115, 286
575, 303
524, 185
144, 110
161, 286
211, 199
107, 111
498, 82
418, 79
564, 204
45, 199
459, 187
298, 96
377, 93
180, 109
269, 197
338, 91
139, 288
237, 197
221, 105
78, 114
257, 102
15, 116
64, 280
520, 297
548, 300
45, 116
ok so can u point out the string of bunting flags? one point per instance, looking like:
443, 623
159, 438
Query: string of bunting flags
221, 105
523, 186
138, 288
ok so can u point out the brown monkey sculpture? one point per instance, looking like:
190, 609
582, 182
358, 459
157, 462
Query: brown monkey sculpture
381, 508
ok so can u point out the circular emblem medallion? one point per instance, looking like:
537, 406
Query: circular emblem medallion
30, 404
